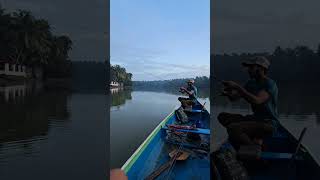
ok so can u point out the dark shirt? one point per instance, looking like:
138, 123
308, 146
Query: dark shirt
267, 110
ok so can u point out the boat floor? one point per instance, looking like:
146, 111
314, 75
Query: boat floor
197, 166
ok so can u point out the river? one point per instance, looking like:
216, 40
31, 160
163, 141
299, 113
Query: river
49, 133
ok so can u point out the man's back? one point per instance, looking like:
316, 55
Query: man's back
195, 92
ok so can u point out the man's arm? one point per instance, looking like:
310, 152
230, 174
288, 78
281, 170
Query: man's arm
260, 98
232, 95
186, 91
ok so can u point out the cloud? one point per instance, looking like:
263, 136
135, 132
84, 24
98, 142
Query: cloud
144, 69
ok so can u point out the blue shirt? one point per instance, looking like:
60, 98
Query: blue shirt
267, 110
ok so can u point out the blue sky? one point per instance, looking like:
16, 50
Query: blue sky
161, 39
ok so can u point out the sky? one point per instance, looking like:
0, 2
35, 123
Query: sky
85, 22
260, 26
158, 40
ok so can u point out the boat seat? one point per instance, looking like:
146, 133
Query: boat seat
196, 131
194, 111
276, 156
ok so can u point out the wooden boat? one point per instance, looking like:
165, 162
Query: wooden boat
283, 157
156, 158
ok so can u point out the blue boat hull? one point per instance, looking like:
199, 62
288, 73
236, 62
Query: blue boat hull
154, 152
276, 161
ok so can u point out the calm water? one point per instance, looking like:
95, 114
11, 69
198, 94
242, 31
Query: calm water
133, 116
298, 108
52, 134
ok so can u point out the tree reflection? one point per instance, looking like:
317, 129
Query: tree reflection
119, 96
27, 114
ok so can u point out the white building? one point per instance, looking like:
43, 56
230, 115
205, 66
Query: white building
11, 69
115, 84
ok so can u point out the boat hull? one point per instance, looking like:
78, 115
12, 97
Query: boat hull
154, 152
276, 161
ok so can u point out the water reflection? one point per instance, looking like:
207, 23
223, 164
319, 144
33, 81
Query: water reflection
134, 114
119, 96
202, 92
26, 112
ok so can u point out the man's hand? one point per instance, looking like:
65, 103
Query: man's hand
233, 95
117, 174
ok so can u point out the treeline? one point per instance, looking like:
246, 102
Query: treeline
200, 82
120, 75
27, 40
299, 64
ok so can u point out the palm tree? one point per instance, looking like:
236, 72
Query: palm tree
21, 34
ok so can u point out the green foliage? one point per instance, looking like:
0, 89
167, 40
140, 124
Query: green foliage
28, 40
200, 82
120, 75
298, 64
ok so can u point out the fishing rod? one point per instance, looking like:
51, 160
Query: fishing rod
180, 147
292, 165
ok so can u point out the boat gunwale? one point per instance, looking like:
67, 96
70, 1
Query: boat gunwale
303, 145
128, 164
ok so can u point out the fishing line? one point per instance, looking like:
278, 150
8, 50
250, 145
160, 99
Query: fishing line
180, 147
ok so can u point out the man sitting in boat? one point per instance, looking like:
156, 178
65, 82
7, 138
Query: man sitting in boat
261, 93
191, 91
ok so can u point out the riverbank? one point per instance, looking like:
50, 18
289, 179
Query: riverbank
64, 83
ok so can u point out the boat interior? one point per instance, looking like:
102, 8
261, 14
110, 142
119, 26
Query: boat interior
281, 158
194, 142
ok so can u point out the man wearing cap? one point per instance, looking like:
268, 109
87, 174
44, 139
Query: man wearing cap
261, 93
191, 91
